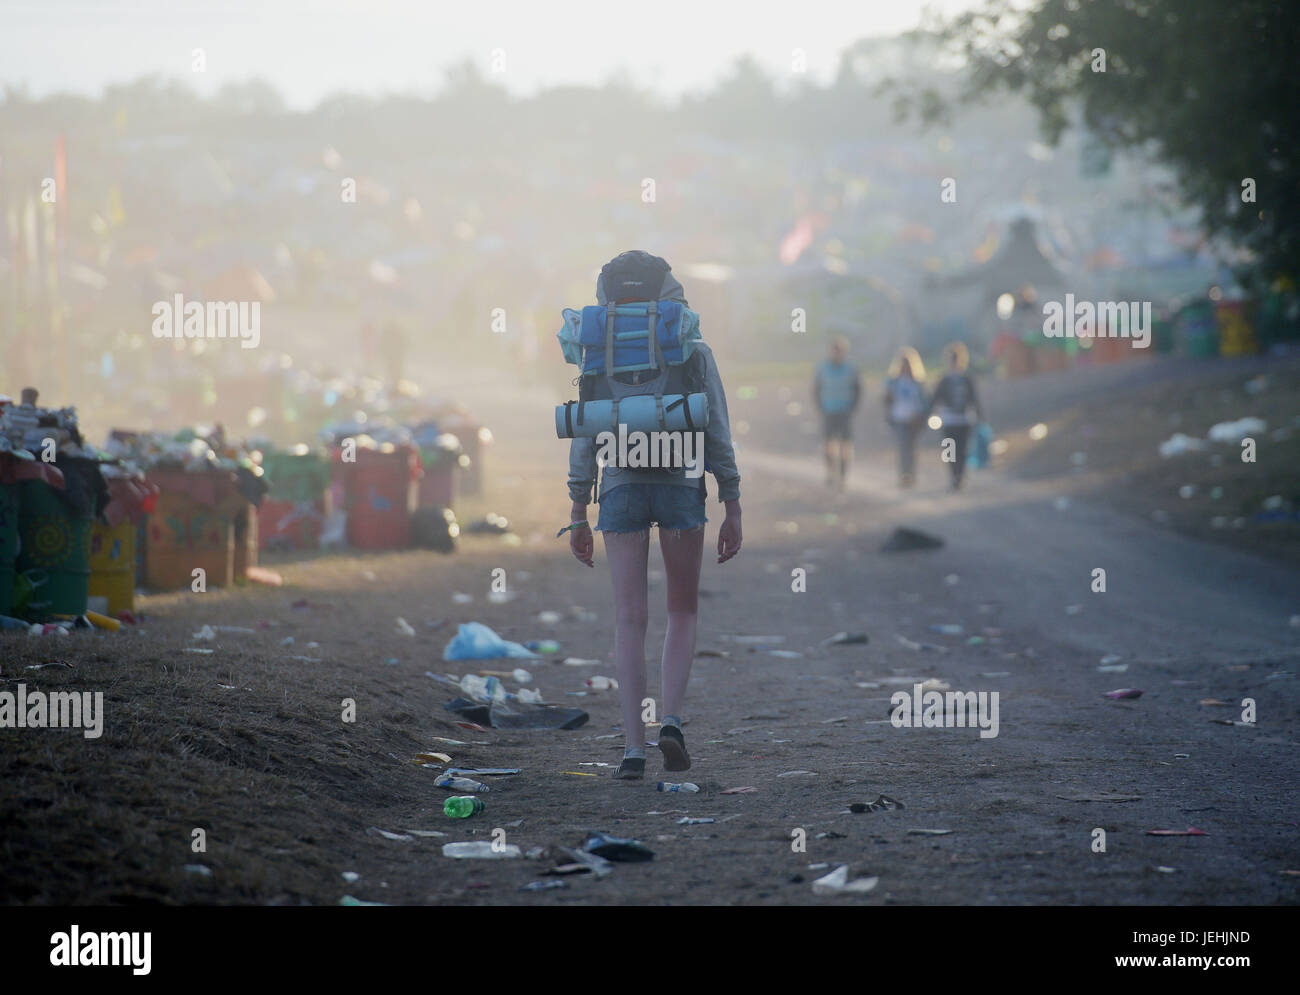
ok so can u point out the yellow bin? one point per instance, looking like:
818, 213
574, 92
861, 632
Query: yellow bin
112, 565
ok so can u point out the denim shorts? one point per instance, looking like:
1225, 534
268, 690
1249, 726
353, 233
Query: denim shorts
635, 507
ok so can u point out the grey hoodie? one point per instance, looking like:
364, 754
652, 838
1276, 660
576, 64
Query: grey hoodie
718, 452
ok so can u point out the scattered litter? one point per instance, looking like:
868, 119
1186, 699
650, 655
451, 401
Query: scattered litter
1166, 870
206, 633
929, 832
976, 641
577, 773
785, 654
1189, 831
287, 641
404, 627
45, 666
997, 673
883, 803
905, 540
481, 850
1114, 668
195, 649
544, 885
427, 833
351, 877
948, 629
475, 641
847, 639
795, 773
575, 661
1178, 443
1074, 609
838, 718
483, 771
399, 837
951, 580
1233, 432
202, 870
617, 849
261, 575
461, 598
700, 653
594, 763
830, 834
685, 786
432, 758
755, 640
549, 618
598, 683
837, 883
686, 820
1215, 702
1122, 693
349, 900
1110, 658
918, 647
934, 684
583, 863
453, 783
746, 790
1101, 796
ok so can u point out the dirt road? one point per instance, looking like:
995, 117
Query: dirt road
248, 742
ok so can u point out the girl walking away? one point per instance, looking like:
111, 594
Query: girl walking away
955, 397
905, 405
665, 358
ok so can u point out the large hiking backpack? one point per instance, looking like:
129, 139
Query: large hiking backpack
636, 351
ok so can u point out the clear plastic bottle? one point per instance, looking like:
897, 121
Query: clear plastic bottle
460, 783
684, 786
462, 806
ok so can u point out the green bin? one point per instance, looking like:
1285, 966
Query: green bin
56, 541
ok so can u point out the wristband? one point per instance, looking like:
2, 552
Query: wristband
571, 527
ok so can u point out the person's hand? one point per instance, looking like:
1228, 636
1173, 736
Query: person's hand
582, 544
729, 536
581, 541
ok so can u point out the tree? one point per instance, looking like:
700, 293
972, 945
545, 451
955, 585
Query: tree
1208, 88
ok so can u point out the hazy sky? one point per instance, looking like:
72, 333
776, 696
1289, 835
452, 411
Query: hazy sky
307, 48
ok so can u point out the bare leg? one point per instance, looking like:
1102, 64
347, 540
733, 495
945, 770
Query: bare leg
683, 550
628, 553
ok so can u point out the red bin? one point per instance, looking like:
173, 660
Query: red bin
380, 492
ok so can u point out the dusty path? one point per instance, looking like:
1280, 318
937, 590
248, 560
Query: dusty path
288, 792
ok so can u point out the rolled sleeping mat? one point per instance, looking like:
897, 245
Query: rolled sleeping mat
682, 413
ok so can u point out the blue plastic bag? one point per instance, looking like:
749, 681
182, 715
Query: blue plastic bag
475, 641
982, 438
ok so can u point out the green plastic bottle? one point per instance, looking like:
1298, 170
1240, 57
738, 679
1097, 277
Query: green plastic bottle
462, 806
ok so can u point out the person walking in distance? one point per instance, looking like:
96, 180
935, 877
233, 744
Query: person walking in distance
837, 389
955, 398
905, 405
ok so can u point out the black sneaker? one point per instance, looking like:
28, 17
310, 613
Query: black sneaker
673, 746
631, 769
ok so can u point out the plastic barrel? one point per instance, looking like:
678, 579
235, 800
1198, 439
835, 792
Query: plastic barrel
184, 535
54, 539
381, 493
112, 565
8, 545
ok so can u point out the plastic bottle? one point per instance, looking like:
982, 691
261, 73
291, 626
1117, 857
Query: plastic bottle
529, 696
543, 646
460, 783
462, 806
481, 850
602, 683
684, 786
483, 689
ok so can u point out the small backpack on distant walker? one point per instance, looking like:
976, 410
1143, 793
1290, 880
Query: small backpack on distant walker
636, 350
